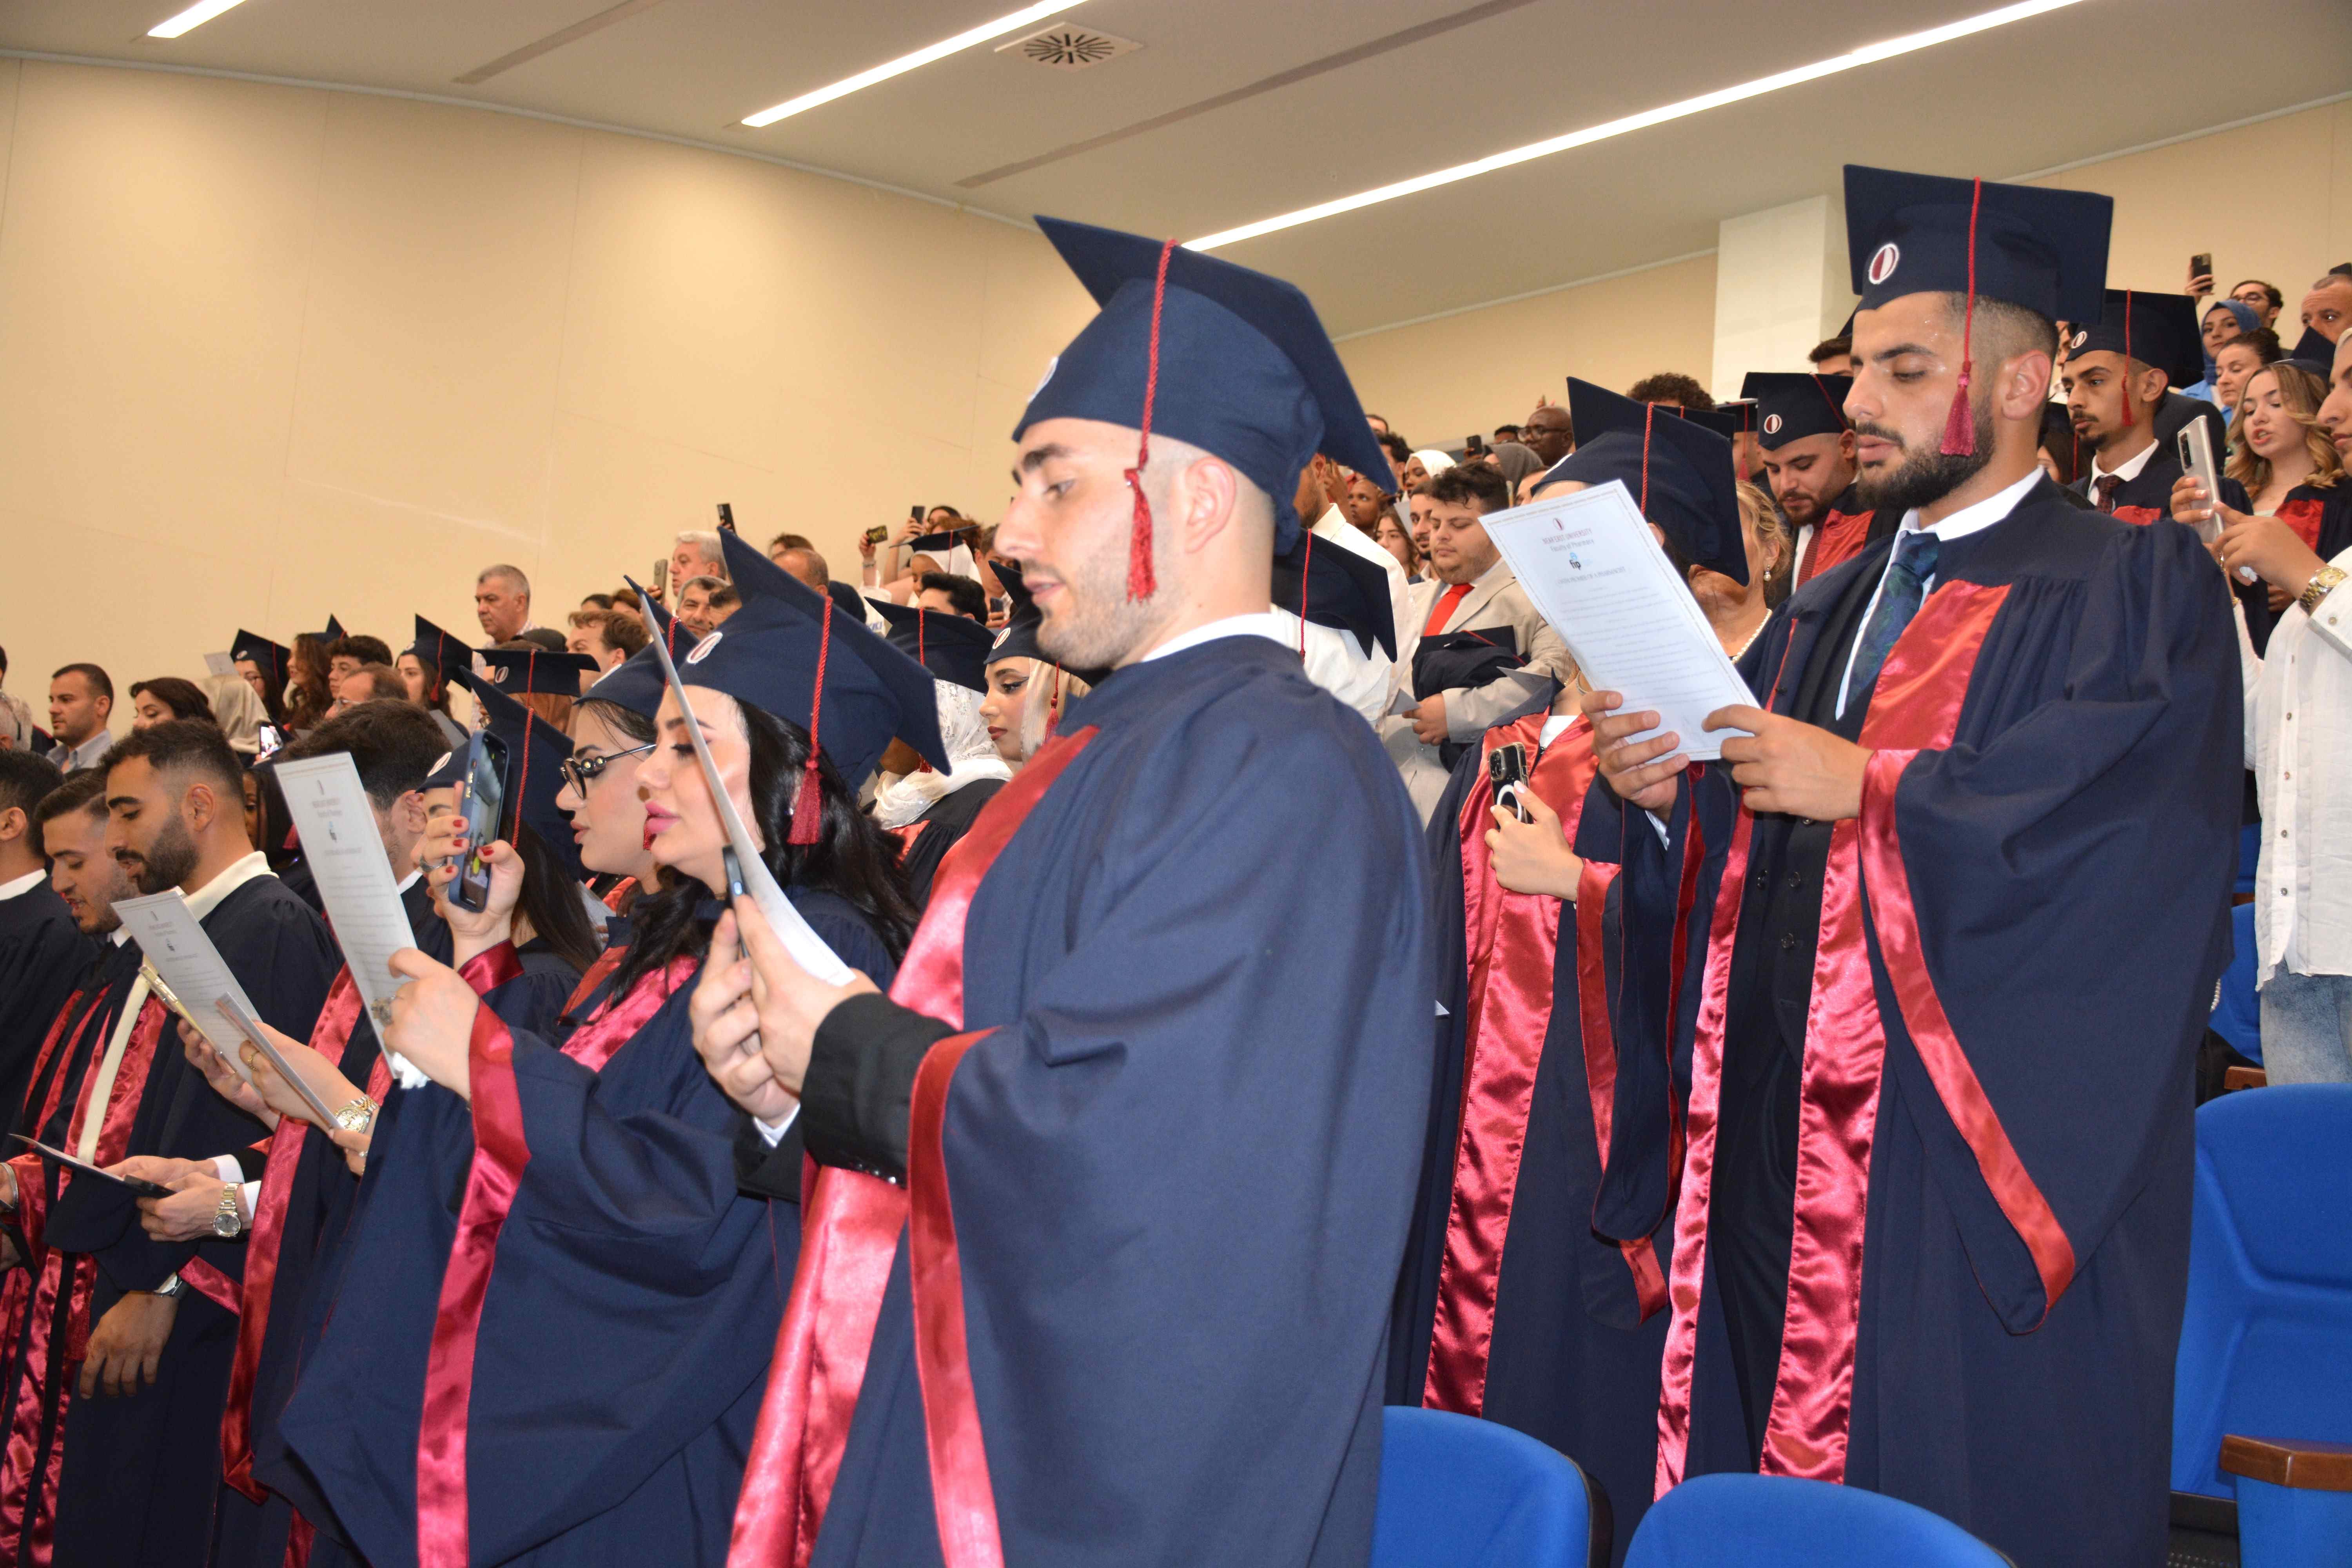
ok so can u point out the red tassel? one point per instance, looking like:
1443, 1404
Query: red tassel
2127, 414
1960, 423
808, 804
1141, 582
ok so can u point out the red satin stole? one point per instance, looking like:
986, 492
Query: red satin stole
46, 1392
330, 1037
1914, 707
849, 1232
1839, 536
501, 1153
1511, 943
2302, 513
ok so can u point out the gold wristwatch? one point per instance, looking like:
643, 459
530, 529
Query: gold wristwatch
229, 1220
2322, 582
359, 1116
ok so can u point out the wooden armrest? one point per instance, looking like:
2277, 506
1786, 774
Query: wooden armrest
2243, 1077
2304, 1466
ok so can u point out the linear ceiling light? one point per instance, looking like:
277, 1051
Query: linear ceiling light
195, 17
904, 63
1867, 54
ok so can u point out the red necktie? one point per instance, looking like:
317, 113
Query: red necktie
1443, 607
2108, 485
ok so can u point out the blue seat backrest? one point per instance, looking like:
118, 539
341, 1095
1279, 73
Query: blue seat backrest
1771, 1521
1457, 1492
2266, 1343
2237, 1010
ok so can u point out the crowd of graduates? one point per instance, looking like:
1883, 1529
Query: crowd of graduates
1235, 971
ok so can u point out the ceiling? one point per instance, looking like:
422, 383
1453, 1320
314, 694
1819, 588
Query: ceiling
1367, 91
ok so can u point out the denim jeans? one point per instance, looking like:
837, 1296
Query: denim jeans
2307, 1028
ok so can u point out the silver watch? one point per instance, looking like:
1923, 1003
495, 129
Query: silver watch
171, 1289
229, 1220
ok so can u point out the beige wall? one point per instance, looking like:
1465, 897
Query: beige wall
2272, 200
1440, 380
270, 352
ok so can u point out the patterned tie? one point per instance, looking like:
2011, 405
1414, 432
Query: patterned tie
1898, 601
2108, 485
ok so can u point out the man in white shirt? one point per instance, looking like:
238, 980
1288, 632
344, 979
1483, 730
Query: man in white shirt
81, 699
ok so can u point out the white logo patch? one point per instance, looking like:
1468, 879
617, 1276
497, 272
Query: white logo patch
1883, 262
701, 650
2079, 339
1772, 423
1051, 366
441, 763
498, 675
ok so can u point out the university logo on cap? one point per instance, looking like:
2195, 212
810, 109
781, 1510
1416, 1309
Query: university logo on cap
2079, 339
1772, 423
702, 649
1051, 366
498, 675
1883, 262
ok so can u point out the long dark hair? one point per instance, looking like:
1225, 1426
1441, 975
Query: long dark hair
550, 900
851, 858
312, 675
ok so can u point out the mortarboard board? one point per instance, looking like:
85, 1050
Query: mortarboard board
334, 632
446, 772
2314, 348
1232, 360
443, 652
636, 683
535, 754
1678, 470
848, 600
2157, 330
2045, 250
1736, 417
1797, 404
952, 646
519, 671
785, 637
1325, 582
261, 653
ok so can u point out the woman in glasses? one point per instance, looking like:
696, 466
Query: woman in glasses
565, 1306
609, 740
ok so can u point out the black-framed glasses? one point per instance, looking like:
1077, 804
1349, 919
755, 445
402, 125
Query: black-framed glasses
580, 772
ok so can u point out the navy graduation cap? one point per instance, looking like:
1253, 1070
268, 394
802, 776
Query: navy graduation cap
517, 671
1678, 470
1018, 640
261, 653
334, 632
847, 599
1231, 360
2157, 330
535, 754
2045, 250
446, 772
791, 653
636, 682
444, 653
1334, 586
1795, 405
953, 647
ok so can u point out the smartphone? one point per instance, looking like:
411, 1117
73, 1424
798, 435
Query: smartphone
482, 799
2201, 265
726, 518
1508, 767
271, 738
734, 874
2196, 444
1473, 442
878, 533
661, 579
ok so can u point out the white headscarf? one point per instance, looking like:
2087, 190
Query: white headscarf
1433, 462
237, 710
971, 756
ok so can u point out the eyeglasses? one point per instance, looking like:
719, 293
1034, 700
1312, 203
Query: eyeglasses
580, 772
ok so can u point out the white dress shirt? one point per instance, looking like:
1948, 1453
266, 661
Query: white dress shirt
19, 887
2299, 745
2127, 470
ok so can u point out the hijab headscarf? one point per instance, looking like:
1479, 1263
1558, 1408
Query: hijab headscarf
238, 709
2247, 322
1516, 463
1432, 461
971, 756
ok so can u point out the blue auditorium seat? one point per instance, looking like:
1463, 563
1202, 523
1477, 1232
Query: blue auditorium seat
2237, 1011
1461, 1493
1771, 1521
2266, 1342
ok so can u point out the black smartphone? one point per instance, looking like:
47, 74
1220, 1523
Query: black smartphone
661, 577
2201, 265
482, 799
734, 873
1508, 767
878, 533
269, 736
1473, 443
726, 518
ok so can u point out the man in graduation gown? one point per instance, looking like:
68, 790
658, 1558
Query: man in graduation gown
1807, 449
104, 1037
929, 811
307, 1187
1155, 1099
1534, 1284
1964, 897
2117, 371
43, 953
142, 1472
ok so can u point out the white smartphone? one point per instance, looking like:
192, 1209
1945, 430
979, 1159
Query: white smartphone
2195, 442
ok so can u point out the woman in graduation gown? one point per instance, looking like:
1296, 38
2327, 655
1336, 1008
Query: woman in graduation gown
1027, 687
555, 1320
929, 810
1533, 1281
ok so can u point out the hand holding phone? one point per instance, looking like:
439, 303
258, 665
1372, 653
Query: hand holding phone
2201, 272
482, 800
661, 580
1508, 767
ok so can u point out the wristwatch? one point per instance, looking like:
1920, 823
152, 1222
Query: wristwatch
2322, 582
228, 1221
170, 1289
359, 1116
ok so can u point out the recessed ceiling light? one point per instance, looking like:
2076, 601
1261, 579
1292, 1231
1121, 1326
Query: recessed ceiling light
195, 17
1868, 54
904, 63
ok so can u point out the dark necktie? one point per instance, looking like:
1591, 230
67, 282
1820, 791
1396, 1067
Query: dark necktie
2108, 485
1898, 601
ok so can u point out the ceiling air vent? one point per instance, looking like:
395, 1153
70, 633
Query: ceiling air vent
1067, 48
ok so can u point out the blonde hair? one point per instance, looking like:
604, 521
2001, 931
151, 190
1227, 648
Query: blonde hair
2300, 393
1758, 511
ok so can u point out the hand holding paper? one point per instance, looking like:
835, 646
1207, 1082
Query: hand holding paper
1784, 764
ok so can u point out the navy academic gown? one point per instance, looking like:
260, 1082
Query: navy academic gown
1182, 1157
931, 835
1572, 1361
43, 955
141, 1473
2068, 858
624, 1337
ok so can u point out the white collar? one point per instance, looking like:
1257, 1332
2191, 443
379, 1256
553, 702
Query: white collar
208, 899
1975, 518
2126, 471
408, 882
1259, 624
22, 885
118, 936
